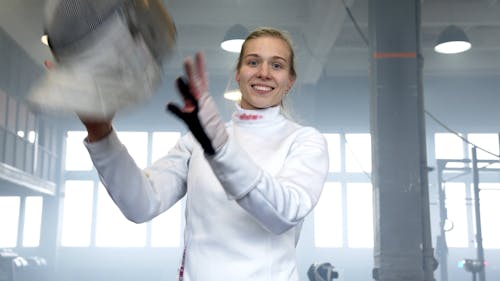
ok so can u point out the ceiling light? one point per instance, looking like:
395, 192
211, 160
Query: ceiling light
45, 39
234, 38
452, 40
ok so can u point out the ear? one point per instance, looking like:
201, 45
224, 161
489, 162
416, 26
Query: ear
290, 85
237, 76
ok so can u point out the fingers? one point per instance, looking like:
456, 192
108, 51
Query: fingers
200, 66
192, 77
195, 72
187, 95
193, 85
175, 110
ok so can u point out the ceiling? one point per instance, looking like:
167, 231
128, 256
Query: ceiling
326, 40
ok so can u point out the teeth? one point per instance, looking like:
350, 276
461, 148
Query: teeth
262, 88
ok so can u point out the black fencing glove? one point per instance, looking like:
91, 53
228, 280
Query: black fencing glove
191, 118
199, 112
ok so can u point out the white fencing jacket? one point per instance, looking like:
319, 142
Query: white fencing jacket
244, 206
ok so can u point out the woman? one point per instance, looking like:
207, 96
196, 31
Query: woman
250, 183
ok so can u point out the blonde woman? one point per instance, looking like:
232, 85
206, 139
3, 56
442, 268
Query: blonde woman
248, 183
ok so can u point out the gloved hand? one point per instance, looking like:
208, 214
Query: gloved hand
199, 112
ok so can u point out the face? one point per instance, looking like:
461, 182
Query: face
264, 75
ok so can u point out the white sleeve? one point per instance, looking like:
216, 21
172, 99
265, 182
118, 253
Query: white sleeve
280, 202
140, 194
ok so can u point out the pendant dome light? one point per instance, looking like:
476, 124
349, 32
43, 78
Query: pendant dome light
452, 40
234, 38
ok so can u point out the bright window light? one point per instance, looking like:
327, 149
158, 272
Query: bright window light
328, 217
137, 145
9, 220
487, 142
162, 143
77, 213
112, 228
32, 221
359, 215
358, 153
77, 156
489, 197
333, 141
449, 146
456, 227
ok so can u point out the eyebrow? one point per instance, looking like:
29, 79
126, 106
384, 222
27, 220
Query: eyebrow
273, 57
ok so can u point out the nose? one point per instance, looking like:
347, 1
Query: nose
264, 71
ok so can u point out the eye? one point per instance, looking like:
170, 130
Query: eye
277, 65
252, 62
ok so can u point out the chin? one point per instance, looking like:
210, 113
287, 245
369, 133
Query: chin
258, 103
265, 106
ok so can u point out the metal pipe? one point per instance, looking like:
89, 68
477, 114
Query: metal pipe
441, 246
477, 209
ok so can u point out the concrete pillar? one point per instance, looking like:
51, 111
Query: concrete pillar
402, 250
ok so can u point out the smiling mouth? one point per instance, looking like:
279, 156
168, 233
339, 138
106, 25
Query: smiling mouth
262, 88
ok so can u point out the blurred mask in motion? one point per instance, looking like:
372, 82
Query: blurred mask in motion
108, 55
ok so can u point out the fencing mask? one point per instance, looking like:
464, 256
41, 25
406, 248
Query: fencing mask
108, 55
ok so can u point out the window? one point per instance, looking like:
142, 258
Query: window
77, 214
449, 146
358, 153
9, 220
137, 145
489, 198
162, 143
461, 227
328, 222
345, 206
333, 141
77, 157
112, 228
92, 219
359, 215
32, 221
456, 224
488, 142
